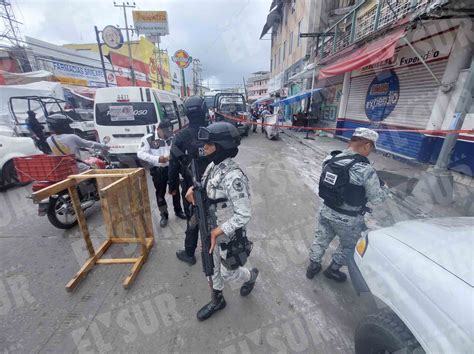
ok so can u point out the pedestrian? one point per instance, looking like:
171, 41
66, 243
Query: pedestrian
254, 119
154, 149
228, 194
348, 181
36, 129
184, 149
263, 114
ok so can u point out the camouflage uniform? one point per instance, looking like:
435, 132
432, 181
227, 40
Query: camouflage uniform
227, 181
348, 228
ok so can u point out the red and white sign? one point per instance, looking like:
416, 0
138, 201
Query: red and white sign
121, 65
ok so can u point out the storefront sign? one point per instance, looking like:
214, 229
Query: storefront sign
182, 59
382, 96
75, 74
430, 49
151, 23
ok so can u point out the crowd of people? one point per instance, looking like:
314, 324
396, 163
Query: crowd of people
347, 183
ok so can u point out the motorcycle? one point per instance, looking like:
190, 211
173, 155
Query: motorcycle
58, 208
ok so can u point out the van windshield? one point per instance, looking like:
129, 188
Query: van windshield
119, 114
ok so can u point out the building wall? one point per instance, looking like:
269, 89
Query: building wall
142, 50
295, 19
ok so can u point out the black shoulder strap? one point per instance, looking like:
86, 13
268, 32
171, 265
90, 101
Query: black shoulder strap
57, 146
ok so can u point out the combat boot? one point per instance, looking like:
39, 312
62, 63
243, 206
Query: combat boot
247, 287
217, 303
164, 220
313, 269
333, 272
184, 257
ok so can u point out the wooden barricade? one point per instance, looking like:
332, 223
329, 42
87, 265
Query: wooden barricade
126, 212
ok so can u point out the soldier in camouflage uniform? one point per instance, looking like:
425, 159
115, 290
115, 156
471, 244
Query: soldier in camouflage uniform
344, 218
229, 205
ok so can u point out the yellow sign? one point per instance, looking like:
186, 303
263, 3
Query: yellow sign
144, 51
72, 81
150, 16
151, 23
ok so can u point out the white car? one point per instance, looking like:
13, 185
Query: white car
11, 147
421, 272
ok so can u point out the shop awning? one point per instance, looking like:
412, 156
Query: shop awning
296, 98
273, 16
263, 100
370, 53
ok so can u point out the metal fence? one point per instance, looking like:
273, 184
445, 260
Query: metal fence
366, 18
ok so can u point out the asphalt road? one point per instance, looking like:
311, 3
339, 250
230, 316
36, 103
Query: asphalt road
285, 313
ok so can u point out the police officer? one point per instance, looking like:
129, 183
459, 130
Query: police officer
186, 147
227, 190
155, 150
348, 181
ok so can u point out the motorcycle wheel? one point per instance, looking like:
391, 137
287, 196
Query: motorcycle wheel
61, 213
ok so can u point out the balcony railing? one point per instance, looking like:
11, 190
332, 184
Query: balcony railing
366, 18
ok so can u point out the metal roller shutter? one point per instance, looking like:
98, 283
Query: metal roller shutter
418, 91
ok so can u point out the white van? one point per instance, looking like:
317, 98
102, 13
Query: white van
123, 115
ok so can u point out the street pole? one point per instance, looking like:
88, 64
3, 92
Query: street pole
184, 83
309, 105
99, 44
132, 71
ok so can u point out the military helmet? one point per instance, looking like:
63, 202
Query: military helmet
220, 133
196, 108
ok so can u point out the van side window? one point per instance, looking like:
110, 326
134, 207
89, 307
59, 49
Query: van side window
182, 111
169, 113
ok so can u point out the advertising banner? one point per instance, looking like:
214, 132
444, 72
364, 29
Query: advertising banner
151, 23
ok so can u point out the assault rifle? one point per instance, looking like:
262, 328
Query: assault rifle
202, 214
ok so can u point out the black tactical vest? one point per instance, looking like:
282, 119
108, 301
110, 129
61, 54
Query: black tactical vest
334, 184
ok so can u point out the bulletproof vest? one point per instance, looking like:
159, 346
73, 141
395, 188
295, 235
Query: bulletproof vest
334, 184
193, 149
155, 143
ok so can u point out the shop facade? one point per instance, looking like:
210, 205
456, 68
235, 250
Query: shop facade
69, 66
402, 93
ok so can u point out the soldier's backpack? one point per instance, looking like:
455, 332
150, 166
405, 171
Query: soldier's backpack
334, 184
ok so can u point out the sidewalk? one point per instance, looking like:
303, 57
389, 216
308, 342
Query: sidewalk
401, 176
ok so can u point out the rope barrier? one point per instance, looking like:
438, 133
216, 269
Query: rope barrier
421, 131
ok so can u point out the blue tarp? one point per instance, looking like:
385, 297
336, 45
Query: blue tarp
296, 98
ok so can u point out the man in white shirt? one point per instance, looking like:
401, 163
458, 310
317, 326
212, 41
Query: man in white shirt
155, 150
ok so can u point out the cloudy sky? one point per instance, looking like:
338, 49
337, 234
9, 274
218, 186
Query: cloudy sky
223, 34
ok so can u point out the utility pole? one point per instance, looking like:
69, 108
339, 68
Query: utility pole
126, 5
437, 183
245, 90
10, 24
159, 67
197, 76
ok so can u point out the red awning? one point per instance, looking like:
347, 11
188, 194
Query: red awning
370, 53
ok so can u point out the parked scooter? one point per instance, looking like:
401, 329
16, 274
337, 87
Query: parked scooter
59, 207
